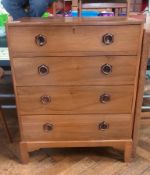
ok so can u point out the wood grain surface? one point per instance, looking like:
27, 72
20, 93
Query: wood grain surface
75, 70
74, 39
76, 127
74, 99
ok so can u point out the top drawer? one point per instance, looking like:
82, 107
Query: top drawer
74, 40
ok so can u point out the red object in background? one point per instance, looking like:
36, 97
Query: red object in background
50, 10
144, 4
66, 8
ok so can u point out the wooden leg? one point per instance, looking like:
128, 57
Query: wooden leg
128, 152
24, 155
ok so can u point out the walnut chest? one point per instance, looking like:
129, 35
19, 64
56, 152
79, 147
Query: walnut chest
76, 82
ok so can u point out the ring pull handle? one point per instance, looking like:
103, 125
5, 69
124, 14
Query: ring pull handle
45, 99
105, 98
108, 39
43, 70
103, 126
106, 69
40, 40
47, 127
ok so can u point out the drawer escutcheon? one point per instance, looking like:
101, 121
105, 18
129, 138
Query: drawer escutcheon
45, 99
40, 40
43, 70
47, 127
103, 126
106, 69
105, 98
108, 38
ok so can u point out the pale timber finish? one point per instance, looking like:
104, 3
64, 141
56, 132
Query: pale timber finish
76, 127
56, 42
64, 97
84, 70
75, 99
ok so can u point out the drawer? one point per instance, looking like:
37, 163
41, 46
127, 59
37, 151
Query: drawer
75, 127
74, 99
109, 40
98, 70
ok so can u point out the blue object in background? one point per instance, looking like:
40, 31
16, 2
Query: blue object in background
123, 14
85, 13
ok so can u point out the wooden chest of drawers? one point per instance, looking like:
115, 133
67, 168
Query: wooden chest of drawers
76, 82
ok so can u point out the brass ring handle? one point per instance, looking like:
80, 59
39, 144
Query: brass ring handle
45, 99
106, 69
47, 127
40, 40
43, 69
108, 39
103, 126
105, 98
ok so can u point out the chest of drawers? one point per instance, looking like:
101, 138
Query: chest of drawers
76, 82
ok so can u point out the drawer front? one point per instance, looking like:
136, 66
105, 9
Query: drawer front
102, 70
43, 41
75, 99
75, 127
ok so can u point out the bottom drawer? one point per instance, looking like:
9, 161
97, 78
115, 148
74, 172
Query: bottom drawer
75, 127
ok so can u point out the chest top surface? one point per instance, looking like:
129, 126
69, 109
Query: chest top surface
69, 21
